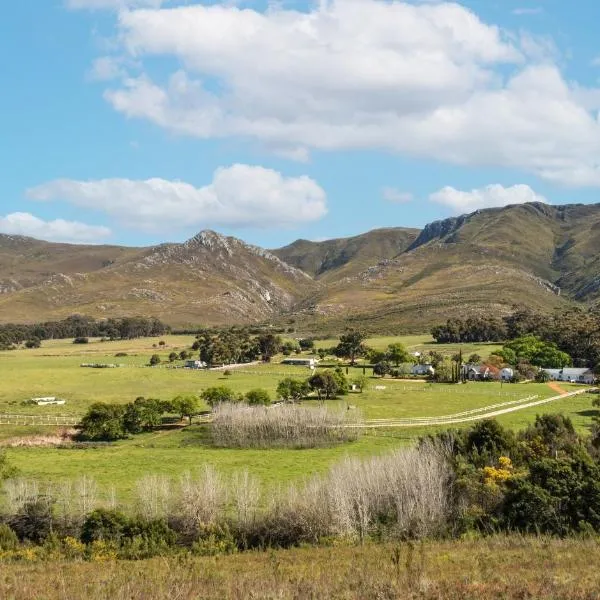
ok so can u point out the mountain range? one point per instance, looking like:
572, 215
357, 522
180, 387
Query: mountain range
392, 279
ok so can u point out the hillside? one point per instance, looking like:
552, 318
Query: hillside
345, 256
538, 255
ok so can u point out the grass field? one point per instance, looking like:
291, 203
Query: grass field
510, 568
54, 370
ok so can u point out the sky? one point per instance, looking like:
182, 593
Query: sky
142, 121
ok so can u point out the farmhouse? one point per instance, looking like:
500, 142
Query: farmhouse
572, 375
424, 370
311, 363
481, 372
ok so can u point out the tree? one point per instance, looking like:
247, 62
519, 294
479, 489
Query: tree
474, 359
33, 343
143, 415
269, 345
382, 368
217, 395
361, 382
351, 345
154, 360
173, 356
103, 422
184, 355
397, 354
186, 405
542, 376
258, 397
324, 384
292, 390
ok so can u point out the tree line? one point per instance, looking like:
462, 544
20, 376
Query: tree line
80, 327
574, 331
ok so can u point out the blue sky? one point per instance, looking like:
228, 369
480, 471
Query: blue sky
141, 121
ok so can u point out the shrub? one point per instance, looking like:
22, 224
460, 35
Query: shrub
217, 395
103, 525
33, 343
283, 426
33, 521
173, 356
154, 360
8, 538
258, 397
81, 340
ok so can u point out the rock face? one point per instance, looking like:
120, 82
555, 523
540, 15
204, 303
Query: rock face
535, 254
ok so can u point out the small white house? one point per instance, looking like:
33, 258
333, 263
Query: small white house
571, 375
506, 374
423, 370
48, 401
311, 363
195, 364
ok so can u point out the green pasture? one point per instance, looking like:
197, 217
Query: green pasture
54, 370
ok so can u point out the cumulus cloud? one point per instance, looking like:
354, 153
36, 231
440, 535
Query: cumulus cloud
428, 80
487, 197
238, 196
395, 196
58, 230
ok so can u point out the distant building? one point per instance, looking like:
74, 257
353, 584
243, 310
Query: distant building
195, 364
506, 374
571, 375
47, 401
311, 363
423, 370
481, 372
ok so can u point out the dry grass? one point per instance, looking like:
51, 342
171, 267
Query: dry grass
502, 567
289, 426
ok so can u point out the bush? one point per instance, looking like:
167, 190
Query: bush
33, 343
258, 397
33, 521
8, 538
217, 395
103, 525
154, 360
241, 426
81, 340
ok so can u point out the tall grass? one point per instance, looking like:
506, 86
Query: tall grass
288, 426
402, 495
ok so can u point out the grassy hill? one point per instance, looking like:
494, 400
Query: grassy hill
394, 279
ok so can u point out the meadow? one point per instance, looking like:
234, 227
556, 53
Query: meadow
54, 370
508, 567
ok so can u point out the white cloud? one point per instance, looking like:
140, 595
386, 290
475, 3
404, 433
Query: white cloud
427, 80
395, 196
59, 230
113, 4
487, 197
238, 196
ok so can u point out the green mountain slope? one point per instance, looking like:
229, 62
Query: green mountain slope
542, 256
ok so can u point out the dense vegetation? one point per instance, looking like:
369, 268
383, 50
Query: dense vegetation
575, 331
485, 479
80, 328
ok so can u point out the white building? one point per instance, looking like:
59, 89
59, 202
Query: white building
311, 363
195, 364
571, 375
506, 374
423, 370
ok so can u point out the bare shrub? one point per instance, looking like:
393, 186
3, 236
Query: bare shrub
202, 501
18, 492
241, 426
153, 497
